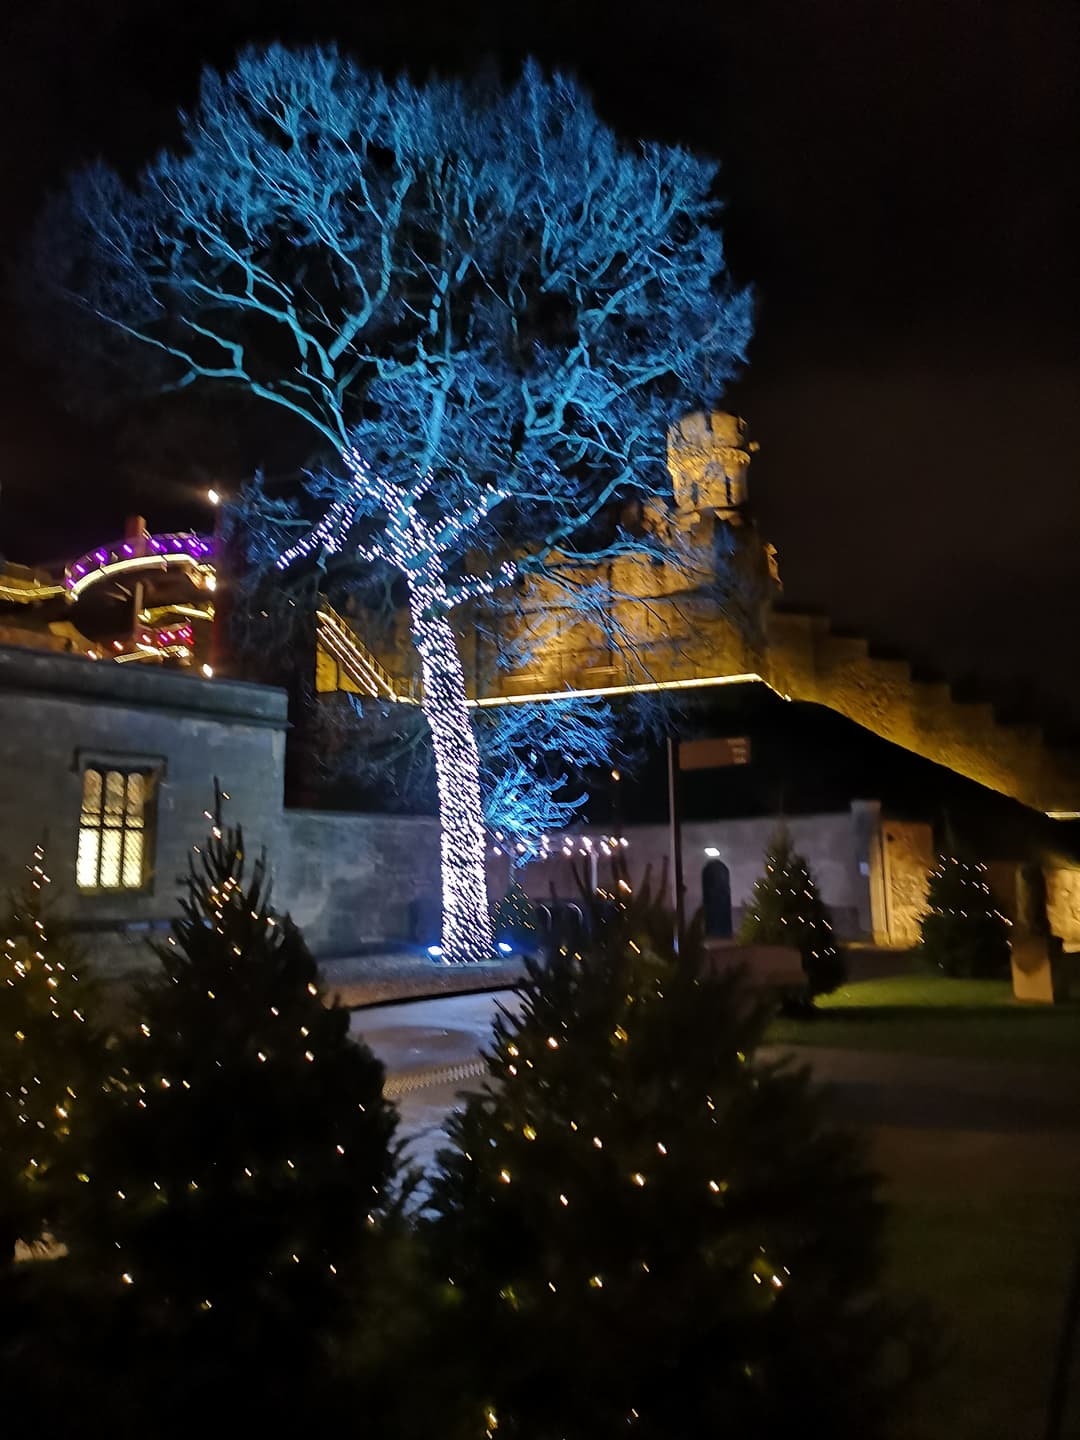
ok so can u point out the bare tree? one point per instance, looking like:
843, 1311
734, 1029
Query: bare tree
487, 306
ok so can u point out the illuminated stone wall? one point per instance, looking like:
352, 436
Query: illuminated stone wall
353, 879
58, 713
1063, 905
902, 856
712, 612
834, 845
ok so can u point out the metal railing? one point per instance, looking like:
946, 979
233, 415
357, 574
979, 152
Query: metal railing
342, 643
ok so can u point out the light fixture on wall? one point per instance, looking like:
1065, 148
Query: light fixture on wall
712, 852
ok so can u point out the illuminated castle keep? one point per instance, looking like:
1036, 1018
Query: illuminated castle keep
712, 619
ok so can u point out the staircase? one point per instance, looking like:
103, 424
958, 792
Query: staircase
356, 665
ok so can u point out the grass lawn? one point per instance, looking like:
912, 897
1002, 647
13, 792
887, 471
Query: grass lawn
933, 1015
994, 1269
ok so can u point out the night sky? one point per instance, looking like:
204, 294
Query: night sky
903, 194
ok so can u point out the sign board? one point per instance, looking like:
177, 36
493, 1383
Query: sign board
714, 754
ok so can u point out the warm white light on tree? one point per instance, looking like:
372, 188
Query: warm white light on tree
419, 550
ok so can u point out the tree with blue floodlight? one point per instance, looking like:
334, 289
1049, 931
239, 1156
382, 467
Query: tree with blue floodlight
486, 306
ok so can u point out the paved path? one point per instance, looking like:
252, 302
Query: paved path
1010, 1116
973, 1149
418, 1033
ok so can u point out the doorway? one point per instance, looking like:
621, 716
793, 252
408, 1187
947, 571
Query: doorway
716, 900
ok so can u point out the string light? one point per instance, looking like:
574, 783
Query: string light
419, 550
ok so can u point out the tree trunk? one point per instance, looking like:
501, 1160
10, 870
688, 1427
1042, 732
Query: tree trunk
466, 925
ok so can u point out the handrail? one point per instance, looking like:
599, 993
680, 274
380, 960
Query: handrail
25, 586
138, 553
361, 666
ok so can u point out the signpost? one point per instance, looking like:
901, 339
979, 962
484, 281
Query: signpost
713, 754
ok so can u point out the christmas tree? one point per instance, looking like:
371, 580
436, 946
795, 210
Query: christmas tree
962, 932
239, 1166
786, 909
50, 1058
514, 919
643, 1230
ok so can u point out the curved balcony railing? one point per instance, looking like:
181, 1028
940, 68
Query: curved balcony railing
140, 552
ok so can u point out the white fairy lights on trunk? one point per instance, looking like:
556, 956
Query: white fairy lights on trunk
466, 930
419, 550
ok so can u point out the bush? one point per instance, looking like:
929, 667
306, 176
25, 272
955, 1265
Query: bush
240, 1166
52, 1061
514, 919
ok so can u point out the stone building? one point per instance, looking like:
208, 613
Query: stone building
113, 767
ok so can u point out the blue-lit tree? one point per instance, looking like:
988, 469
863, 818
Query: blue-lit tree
485, 305
532, 758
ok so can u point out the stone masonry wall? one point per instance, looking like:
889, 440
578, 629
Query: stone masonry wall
58, 713
830, 843
349, 880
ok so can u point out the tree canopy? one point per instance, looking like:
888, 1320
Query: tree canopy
468, 286
487, 306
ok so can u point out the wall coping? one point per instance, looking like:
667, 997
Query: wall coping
76, 677
324, 814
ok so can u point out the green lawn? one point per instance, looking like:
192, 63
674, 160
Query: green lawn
933, 1015
994, 1270
983, 1225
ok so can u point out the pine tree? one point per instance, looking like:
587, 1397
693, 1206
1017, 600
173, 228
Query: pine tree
514, 919
238, 1168
642, 1229
962, 932
786, 909
50, 1058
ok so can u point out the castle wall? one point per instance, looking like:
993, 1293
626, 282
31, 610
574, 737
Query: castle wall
1063, 905
901, 858
349, 880
833, 845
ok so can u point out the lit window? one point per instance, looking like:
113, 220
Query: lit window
113, 840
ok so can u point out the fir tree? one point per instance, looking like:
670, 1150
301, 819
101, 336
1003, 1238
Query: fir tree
642, 1229
50, 1057
239, 1166
786, 909
514, 919
962, 932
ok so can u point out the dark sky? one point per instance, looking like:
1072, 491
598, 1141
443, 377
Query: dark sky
903, 187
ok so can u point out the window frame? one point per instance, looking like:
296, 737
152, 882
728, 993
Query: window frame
152, 770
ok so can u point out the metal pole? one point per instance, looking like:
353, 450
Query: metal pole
675, 819
137, 600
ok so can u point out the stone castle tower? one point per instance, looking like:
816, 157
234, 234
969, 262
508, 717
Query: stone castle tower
709, 524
